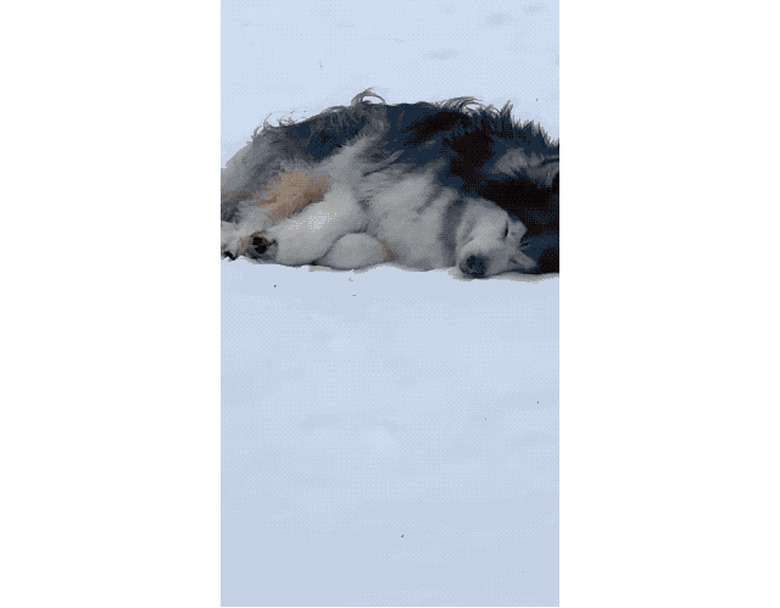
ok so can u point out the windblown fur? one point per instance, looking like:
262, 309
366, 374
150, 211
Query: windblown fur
427, 185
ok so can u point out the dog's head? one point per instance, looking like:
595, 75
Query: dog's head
490, 242
491, 156
526, 187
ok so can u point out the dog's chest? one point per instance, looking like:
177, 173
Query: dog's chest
408, 215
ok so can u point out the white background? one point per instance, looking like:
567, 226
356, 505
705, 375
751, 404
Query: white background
110, 333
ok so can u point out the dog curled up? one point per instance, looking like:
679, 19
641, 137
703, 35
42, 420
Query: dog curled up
426, 185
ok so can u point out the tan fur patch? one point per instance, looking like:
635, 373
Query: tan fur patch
289, 192
387, 252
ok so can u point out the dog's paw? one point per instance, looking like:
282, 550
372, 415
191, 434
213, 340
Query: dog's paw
257, 246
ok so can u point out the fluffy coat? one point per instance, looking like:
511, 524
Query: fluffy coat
425, 185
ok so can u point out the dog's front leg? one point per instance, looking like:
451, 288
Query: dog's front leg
309, 235
357, 251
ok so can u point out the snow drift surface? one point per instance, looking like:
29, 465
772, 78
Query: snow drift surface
389, 438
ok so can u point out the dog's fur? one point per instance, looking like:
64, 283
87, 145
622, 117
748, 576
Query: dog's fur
426, 185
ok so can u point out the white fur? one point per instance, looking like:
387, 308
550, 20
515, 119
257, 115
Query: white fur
422, 223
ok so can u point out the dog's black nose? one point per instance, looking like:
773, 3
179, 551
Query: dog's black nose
475, 266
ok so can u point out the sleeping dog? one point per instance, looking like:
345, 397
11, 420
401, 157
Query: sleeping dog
425, 185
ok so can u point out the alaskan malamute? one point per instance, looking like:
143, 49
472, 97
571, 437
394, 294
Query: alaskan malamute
425, 185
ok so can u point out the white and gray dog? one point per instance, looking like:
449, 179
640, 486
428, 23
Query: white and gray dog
425, 185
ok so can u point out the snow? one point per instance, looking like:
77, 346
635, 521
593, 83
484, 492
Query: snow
389, 437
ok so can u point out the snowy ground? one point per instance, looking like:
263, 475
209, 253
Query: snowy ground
389, 438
